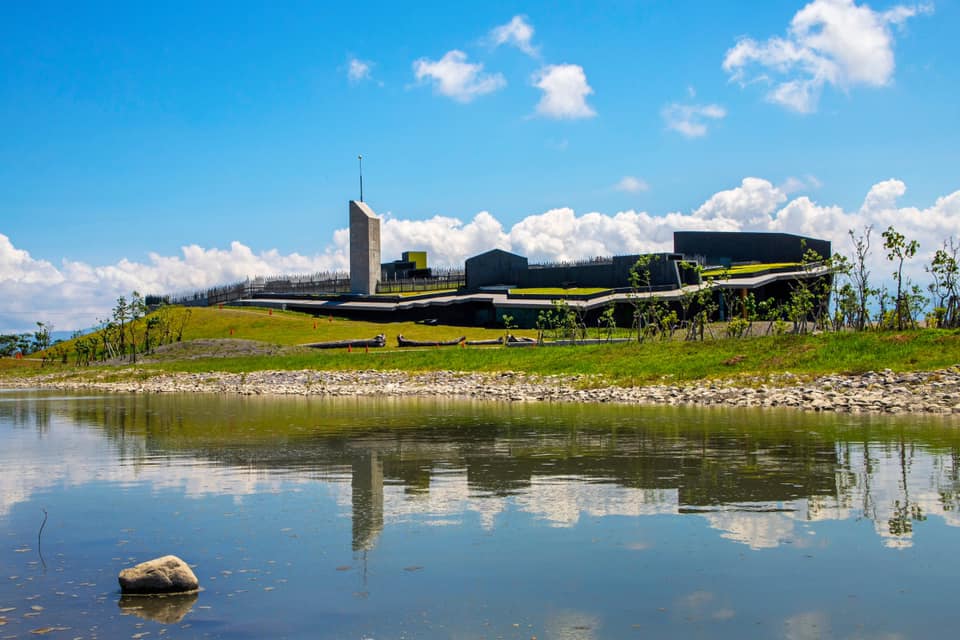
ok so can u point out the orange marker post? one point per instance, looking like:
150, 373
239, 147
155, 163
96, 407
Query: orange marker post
349, 349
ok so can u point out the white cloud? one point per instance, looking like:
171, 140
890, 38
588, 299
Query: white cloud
631, 184
748, 205
447, 241
835, 42
456, 78
690, 119
565, 92
358, 70
74, 294
518, 33
17, 265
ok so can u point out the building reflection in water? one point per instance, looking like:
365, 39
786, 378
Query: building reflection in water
367, 485
754, 476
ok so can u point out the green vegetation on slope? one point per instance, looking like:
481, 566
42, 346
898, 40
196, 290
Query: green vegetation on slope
622, 363
747, 269
560, 291
634, 363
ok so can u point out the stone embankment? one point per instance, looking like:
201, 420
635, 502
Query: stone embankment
872, 392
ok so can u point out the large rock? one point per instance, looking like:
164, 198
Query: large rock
168, 574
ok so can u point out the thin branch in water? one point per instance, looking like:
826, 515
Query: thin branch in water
40, 533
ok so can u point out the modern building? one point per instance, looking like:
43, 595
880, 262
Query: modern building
413, 264
726, 248
498, 283
501, 269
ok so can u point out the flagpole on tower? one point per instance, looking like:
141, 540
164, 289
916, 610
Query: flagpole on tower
360, 160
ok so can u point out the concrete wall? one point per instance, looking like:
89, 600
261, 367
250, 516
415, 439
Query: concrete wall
724, 247
364, 249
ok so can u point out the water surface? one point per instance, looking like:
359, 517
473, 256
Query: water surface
390, 518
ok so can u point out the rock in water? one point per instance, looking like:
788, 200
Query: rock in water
168, 574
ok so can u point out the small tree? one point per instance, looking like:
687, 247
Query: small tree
564, 321
840, 290
13, 343
688, 295
899, 249
647, 310
860, 275
42, 336
807, 294
847, 307
607, 323
181, 323
507, 326
137, 309
151, 328
945, 287
121, 313
705, 303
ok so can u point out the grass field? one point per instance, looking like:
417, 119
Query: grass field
293, 328
560, 291
747, 269
629, 363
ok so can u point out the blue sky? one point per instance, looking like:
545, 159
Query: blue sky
132, 130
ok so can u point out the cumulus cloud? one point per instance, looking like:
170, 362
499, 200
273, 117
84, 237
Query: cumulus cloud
565, 92
358, 70
517, 33
74, 294
691, 119
829, 42
748, 205
447, 241
454, 77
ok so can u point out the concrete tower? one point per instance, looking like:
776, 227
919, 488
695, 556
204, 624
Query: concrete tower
364, 249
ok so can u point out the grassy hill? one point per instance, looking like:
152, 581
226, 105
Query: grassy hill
248, 339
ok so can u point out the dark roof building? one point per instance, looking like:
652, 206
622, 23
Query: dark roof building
723, 248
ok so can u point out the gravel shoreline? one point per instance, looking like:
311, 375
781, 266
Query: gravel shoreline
936, 392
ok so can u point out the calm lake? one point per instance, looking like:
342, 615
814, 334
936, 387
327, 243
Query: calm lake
310, 518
